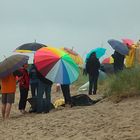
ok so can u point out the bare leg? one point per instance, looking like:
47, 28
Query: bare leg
3, 109
7, 111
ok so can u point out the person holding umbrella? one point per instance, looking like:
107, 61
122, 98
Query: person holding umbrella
8, 89
118, 61
23, 87
119, 54
8, 73
92, 69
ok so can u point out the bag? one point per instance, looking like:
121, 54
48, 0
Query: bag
83, 100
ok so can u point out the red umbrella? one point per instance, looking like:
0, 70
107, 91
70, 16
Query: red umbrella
108, 60
128, 42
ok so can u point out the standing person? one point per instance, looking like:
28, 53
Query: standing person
23, 87
44, 87
92, 69
130, 58
66, 93
118, 61
33, 80
8, 89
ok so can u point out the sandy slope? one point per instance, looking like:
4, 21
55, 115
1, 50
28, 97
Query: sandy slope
102, 121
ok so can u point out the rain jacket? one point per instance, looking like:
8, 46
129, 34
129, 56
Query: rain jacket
118, 61
24, 79
92, 66
129, 59
8, 84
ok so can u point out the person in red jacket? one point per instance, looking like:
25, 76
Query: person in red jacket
23, 87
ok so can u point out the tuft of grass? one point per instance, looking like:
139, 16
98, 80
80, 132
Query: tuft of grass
124, 84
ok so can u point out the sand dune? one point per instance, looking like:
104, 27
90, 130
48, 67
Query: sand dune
102, 121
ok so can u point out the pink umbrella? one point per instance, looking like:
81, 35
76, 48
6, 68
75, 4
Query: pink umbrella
128, 42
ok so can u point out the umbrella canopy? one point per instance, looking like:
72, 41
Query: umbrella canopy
128, 42
11, 64
29, 47
56, 65
74, 55
29, 54
108, 60
118, 46
99, 52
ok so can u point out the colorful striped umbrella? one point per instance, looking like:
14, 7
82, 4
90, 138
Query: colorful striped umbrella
74, 55
56, 65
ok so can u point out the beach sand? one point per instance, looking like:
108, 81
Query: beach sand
103, 121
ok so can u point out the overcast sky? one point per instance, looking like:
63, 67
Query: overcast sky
82, 24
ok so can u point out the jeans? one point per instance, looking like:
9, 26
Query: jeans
34, 89
23, 98
43, 88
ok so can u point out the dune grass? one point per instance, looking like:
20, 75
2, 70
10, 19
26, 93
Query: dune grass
124, 84
117, 86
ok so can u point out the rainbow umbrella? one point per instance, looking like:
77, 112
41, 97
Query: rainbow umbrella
56, 65
108, 60
74, 55
99, 52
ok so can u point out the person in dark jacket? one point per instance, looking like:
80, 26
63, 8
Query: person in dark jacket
118, 61
44, 87
33, 80
92, 69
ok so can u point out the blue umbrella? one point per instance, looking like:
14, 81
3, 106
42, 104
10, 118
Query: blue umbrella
99, 52
118, 46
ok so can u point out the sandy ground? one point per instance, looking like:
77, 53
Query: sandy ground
103, 121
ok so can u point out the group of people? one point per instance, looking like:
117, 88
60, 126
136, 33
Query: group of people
93, 66
41, 86
29, 78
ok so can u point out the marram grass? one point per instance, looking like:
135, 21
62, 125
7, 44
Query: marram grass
123, 84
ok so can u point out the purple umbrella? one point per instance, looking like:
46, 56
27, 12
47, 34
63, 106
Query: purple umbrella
118, 46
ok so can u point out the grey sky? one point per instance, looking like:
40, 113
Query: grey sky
82, 24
